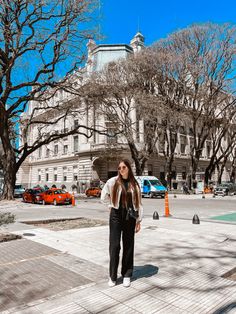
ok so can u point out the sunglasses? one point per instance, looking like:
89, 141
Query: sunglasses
122, 168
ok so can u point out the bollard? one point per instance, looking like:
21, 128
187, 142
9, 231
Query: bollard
196, 220
73, 199
167, 210
203, 195
213, 196
175, 195
155, 215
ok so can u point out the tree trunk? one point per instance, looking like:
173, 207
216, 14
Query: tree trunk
9, 172
169, 162
195, 161
139, 164
220, 173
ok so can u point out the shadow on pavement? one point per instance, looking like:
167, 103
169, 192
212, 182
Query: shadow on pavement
145, 271
226, 309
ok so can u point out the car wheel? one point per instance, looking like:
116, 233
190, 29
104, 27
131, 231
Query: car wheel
43, 202
55, 202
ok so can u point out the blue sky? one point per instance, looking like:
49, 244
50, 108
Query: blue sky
157, 19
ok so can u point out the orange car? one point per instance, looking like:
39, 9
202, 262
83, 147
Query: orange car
32, 195
56, 196
96, 191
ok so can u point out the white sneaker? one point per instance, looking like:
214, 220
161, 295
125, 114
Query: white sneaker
126, 282
111, 283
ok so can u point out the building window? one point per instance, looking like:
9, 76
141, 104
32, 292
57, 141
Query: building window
55, 149
39, 175
64, 173
55, 174
183, 143
191, 146
40, 152
75, 173
111, 133
46, 175
65, 149
47, 152
76, 143
182, 130
208, 150
76, 123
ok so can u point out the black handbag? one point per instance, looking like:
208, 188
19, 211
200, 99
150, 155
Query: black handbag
132, 213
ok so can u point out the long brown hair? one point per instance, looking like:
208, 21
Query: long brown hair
132, 184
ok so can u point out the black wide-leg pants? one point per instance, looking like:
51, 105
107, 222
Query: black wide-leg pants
119, 225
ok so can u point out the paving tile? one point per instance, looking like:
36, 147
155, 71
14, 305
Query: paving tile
69, 308
145, 304
31, 280
118, 309
97, 302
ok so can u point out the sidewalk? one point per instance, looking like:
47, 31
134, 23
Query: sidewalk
178, 269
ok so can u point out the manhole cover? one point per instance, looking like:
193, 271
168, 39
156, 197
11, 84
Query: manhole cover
231, 275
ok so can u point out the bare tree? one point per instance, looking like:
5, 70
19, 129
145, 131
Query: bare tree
125, 90
221, 142
202, 73
40, 42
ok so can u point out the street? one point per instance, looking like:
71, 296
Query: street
181, 207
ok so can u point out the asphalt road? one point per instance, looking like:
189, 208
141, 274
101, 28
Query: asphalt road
182, 207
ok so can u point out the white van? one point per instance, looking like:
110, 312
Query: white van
151, 186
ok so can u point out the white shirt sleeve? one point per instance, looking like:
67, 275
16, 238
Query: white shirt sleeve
105, 195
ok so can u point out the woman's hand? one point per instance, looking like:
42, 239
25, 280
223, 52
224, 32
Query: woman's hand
138, 226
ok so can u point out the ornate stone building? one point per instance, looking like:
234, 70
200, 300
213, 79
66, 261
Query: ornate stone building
79, 161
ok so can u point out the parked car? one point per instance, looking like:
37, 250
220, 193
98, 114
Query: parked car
33, 195
18, 190
93, 191
225, 189
56, 196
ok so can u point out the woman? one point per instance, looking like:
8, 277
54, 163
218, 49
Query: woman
123, 196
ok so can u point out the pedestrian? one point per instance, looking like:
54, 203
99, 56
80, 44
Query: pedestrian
63, 187
123, 196
185, 188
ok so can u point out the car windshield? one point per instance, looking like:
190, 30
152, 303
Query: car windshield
225, 185
19, 187
60, 192
155, 182
37, 191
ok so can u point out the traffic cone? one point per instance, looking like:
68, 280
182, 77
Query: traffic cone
167, 211
73, 199
196, 220
155, 215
